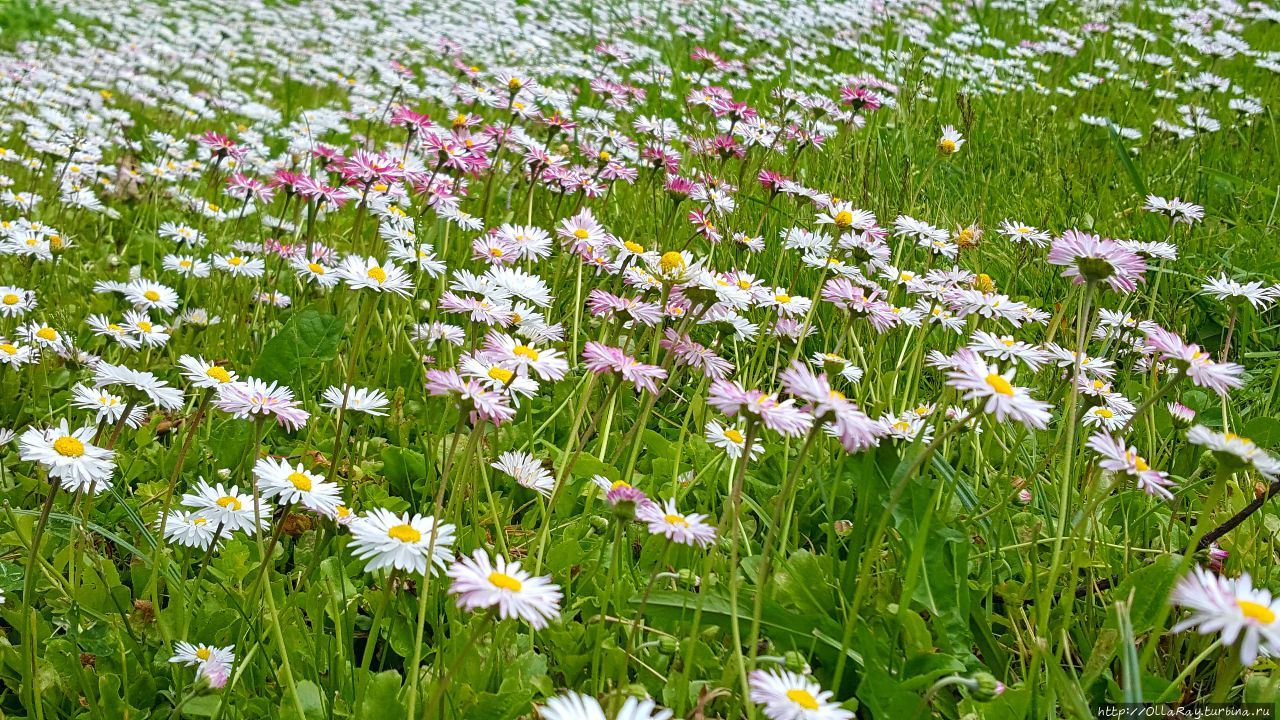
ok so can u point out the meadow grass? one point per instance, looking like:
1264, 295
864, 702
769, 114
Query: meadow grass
195, 544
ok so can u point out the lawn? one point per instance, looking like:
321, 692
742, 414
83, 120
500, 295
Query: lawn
565, 360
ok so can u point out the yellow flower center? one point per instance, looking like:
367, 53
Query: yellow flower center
235, 261
505, 581
734, 436
404, 533
634, 247
803, 698
525, 351
343, 511
782, 298
47, 333
183, 263
203, 653
8, 349
501, 374
619, 484
200, 521
676, 520
514, 84
300, 481
496, 252
844, 219
10, 299
999, 384
1256, 611
67, 446
218, 374
316, 268
151, 295
947, 145
581, 233
144, 326
1104, 413
229, 501
671, 261
902, 426
377, 274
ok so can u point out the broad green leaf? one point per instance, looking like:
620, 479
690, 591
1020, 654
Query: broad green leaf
309, 337
382, 697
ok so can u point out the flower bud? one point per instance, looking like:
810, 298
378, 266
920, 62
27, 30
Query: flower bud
984, 687
796, 662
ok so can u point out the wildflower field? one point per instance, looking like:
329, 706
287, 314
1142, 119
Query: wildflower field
391, 359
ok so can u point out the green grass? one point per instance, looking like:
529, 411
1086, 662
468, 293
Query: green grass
908, 578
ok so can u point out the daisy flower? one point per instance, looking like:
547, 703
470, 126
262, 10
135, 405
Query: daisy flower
1181, 415
401, 542
15, 301
1219, 377
526, 470
843, 419
1227, 290
1090, 258
1020, 233
845, 216
314, 272
360, 272
370, 401
524, 358
481, 583
576, 706
17, 355
156, 390
212, 663
148, 295
256, 397
293, 484
600, 358
1105, 417
240, 265
192, 530
782, 417
204, 374
44, 336
951, 140
684, 528
731, 440
1001, 397
227, 507
472, 396
1234, 451
1233, 608
785, 695
108, 407
1178, 211
69, 455
1119, 459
